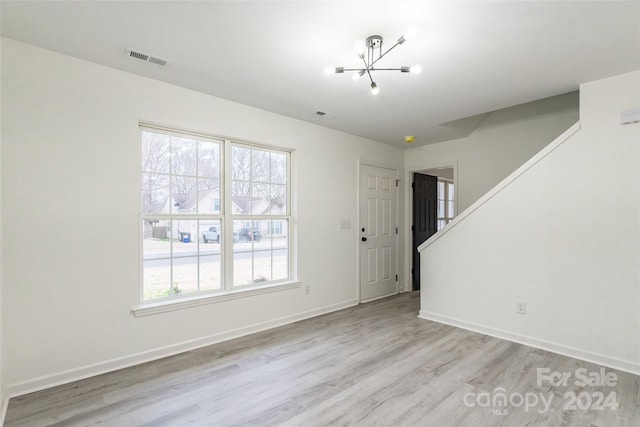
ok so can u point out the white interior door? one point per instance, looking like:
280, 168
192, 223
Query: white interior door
378, 233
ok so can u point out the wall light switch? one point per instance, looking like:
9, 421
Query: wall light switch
345, 223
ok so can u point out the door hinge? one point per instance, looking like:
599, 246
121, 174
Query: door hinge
412, 228
413, 185
396, 230
396, 277
412, 271
397, 182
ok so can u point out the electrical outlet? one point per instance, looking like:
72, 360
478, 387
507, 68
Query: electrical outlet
521, 307
307, 290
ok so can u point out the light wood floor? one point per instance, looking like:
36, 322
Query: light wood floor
375, 364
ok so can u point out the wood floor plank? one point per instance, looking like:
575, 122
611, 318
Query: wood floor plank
376, 364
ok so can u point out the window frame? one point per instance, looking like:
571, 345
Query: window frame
448, 214
226, 218
231, 217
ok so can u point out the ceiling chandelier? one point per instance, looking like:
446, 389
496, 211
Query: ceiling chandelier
370, 51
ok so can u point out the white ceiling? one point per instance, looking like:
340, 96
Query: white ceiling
476, 56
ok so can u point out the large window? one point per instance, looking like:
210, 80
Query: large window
215, 215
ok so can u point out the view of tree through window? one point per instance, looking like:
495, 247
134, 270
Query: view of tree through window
187, 222
259, 195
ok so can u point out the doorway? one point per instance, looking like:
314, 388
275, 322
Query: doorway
433, 206
378, 232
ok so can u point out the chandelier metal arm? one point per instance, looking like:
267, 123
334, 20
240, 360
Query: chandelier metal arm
363, 70
367, 68
382, 55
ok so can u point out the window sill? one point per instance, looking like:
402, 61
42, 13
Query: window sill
148, 309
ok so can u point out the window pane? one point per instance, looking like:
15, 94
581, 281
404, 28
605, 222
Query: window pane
252, 193
260, 166
210, 236
440, 208
185, 275
183, 156
279, 233
241, 198
278, 200
208, 196
155, 193
441, 224
450, 213
155, 239
208, 159
156, 253
278, 168
261, 267
210, 272
440, 190
185, 242
249, 231
280, 264
184, 195
242, 268
248, 237
156, 278
451, 191
155, 152
260, 199
240, 163
260, 251
241, 189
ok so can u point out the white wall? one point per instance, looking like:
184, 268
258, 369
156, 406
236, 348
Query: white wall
2, 394
441, 173
502, 142
70, 169
564, 237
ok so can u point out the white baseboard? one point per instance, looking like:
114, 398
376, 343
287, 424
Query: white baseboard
377, 298
3, 411
576, 353
64, 377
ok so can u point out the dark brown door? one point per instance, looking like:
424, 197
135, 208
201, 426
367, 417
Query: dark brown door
425, 198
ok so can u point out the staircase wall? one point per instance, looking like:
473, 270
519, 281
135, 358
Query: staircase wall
562, 233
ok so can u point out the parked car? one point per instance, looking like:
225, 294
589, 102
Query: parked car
211, 235
249, 234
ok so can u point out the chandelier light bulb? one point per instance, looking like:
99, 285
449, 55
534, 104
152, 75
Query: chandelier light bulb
355, 77
359, 47
415, 69
374, 88
329, 69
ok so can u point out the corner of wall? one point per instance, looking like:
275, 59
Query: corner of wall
4, 401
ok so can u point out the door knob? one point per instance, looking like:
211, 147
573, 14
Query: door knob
364, 239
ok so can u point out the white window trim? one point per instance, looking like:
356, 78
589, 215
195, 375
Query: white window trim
157, 306
180, 303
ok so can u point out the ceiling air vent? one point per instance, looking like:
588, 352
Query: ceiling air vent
324, 115
134, 54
